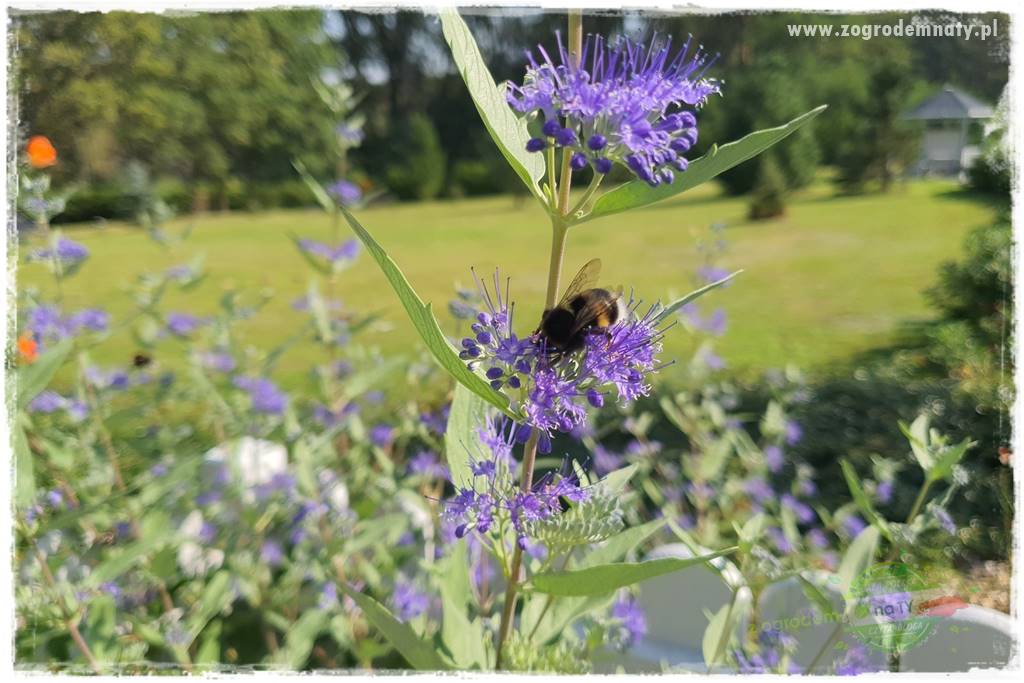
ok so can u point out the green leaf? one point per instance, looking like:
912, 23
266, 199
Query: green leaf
462, 437
720, 630
423, 320
638, 193
602, 578
217, 596
713, 459
299, 640
419, 652
463, 638
24, 478
861, 498
617, 546
506, 128
615, 481
859, 556
947, 459
35, 377
917, 435
322, 198
815, 595
692, 296
209, 647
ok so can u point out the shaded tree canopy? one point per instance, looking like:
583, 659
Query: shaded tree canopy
206, 96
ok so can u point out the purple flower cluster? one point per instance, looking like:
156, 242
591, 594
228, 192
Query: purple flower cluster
494, 347
802, 511
343, 253
265, 396
107, 379
632, 622
624, 102
49, 402
426, 464
554, 391
615, 360
66, 251
714, 323
345, 192
46, 322
493, 495
772, 646
221, 361
182, 324
409, 601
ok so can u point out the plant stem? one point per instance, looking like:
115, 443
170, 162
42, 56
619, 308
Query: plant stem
726, 632
591, 189
508, 610
550, 599
914, 510
575, 39
559, 230
70, 620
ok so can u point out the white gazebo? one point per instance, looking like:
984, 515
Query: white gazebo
954, 125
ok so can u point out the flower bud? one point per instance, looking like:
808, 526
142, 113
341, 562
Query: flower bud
566, 137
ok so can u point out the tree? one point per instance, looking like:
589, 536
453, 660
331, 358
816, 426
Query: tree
875, 143
767, 94
206, 97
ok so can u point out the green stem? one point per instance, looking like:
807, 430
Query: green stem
591, 189
559, 230
70, 620
529, 458
552, 183
914, 510
549, 601
726, 632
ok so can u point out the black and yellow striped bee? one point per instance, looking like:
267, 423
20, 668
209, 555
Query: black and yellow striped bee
582, 309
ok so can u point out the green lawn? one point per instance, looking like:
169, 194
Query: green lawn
836, 276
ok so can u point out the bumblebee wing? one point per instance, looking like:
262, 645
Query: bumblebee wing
584, 280
595, 311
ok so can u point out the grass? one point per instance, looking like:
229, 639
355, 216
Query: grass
835, 277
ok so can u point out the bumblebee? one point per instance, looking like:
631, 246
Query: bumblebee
582, 309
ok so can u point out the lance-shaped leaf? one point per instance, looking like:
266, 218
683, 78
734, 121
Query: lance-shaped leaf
462, 435
506, 128
858, 557
463, 637
422, 317
860, 497
25, 478
692, 296
638, 193
604, 578
417, 651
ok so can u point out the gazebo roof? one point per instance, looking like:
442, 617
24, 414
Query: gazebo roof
950, 104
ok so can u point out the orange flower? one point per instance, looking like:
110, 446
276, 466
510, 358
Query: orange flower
41, 152
28, 348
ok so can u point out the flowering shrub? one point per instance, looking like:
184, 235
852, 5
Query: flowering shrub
214, 515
